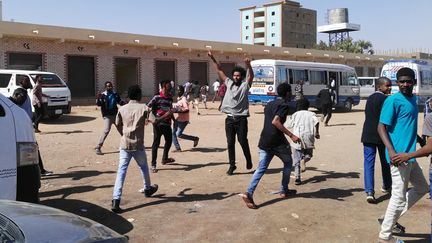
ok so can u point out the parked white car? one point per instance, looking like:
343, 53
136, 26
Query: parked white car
367, 86
59, 101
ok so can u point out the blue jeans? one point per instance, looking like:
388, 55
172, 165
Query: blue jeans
125, 158
369, 152
265, 156
179, 127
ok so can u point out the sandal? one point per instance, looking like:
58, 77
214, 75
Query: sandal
167, 161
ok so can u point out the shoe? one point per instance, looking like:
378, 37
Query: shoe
115, 206
326, 124
196, 142
287, 193
153, 169
176, 150
384, 190
322, 118
302, 165
168, 161
249, 165
231, 170
397, 228
151, 190
37, 130
199, 113
297, 181
247, 198
370, 198
46, 173
98, 151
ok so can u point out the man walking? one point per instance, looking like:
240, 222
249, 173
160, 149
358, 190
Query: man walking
398, 131
37, 102
273, 142
130, 122
108, 101
371, 140
236, 105
215, 86
325, 96
161, 107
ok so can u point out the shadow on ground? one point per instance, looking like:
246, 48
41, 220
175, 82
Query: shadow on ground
421, 238
69, 119
183, 197
79, 174
93, 212
65, 192
206, 150
189, 167
67, 132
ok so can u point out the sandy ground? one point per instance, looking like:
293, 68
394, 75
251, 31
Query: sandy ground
198, 202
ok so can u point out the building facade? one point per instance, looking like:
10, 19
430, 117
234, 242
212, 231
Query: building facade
281, 24
86, 58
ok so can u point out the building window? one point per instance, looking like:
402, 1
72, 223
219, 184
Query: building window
247, 37
298, 15
273, 13
273, 44
273, 35
247, 16
247, 27
273, 24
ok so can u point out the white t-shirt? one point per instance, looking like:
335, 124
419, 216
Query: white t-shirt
303, 124
216, 85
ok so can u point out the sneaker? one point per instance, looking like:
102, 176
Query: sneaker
303, 165
397, 228
298, 181
98, 151
115, 206
370, 198
196, 142
153, 169
150, 191
46, 173
231, 170
168, 161
287, 193
247, 198
384, 190
249, 165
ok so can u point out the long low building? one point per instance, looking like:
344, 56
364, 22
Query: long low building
87, 58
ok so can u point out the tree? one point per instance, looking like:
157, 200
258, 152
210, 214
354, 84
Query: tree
348, 45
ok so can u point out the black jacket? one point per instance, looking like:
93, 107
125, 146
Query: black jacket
103, 103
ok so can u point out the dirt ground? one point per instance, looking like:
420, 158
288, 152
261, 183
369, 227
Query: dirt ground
198, 202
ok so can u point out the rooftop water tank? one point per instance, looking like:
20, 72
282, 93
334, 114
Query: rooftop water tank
338, 15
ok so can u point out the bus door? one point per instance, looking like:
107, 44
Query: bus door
334, 82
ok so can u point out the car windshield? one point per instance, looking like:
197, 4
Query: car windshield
50, 80
263, 74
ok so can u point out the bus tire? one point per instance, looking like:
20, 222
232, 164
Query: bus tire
348, 105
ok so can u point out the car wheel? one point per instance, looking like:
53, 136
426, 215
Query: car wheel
348, 105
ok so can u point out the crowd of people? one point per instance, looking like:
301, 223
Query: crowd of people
390, 127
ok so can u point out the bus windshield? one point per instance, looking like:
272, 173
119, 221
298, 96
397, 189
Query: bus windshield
263, 74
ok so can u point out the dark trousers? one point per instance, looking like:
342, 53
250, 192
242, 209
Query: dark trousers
237, 126
159, 130
37, 115
327, 112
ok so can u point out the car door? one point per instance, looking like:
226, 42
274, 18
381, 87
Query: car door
8, 162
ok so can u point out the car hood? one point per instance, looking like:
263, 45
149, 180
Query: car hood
45, 224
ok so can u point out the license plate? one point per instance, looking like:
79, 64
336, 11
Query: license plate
58, 112
258, 91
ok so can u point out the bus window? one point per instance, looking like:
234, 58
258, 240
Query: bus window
281, 75
300, 75
318, 77
291, 77
425, 77
349, 79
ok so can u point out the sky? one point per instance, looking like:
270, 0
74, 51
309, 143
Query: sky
391, 25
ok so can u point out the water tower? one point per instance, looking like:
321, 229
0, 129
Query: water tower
338, 26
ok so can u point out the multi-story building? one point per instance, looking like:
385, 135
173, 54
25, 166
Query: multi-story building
282, 24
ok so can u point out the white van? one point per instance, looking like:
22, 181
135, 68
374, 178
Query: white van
59, 101
367, 86
19, 169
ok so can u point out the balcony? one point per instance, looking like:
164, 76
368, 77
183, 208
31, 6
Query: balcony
259, 40
259, 19
259, 30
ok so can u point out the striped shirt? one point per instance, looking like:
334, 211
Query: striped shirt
161, 104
